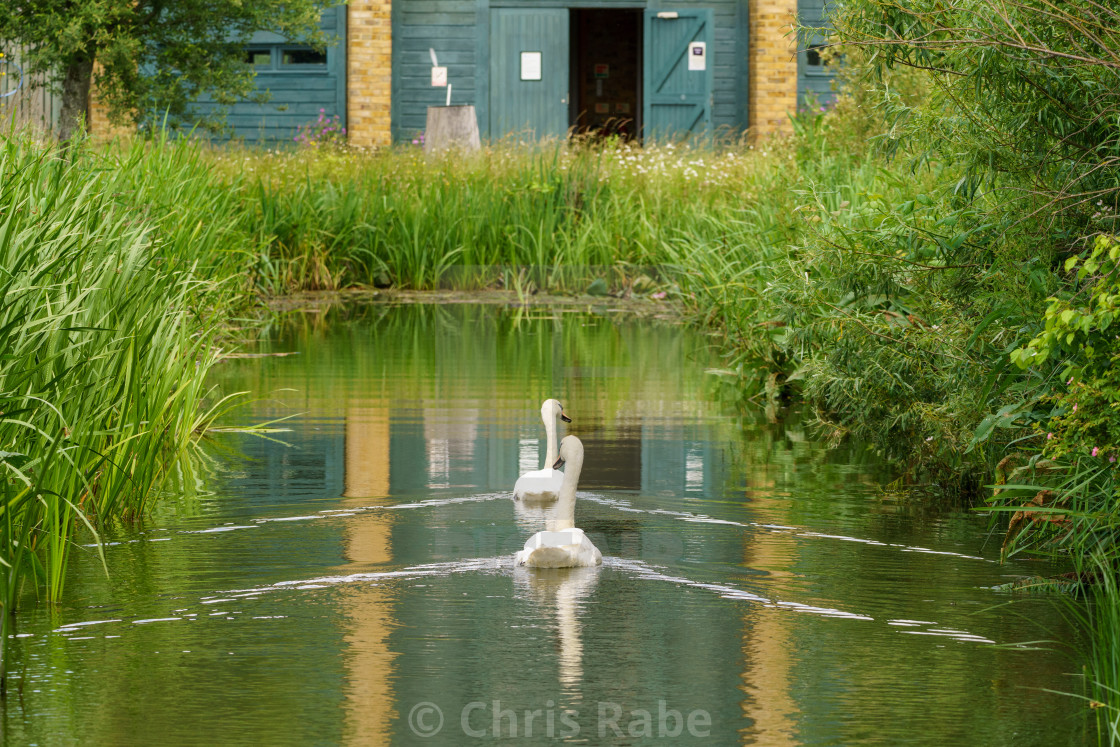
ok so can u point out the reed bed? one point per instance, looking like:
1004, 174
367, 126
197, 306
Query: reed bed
110, 310
550, 218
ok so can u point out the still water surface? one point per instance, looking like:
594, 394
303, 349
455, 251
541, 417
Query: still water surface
350, 580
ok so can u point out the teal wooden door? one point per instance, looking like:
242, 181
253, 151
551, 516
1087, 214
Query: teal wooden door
529, 58
677, 73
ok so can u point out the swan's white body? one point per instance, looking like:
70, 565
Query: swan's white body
562, 544
544, 484
538, 486
569, 548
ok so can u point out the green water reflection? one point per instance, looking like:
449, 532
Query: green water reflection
339, 582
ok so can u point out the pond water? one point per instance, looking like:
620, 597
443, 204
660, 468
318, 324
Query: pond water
350, 579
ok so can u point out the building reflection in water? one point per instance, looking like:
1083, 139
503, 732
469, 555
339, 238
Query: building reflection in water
369, 609
446, 416
767, 633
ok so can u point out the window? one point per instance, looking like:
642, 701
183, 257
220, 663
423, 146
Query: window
302, 56
258, 57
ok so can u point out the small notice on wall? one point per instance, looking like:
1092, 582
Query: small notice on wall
602, 108
622, 107
439, 77
602, 70
697, 55
530, 66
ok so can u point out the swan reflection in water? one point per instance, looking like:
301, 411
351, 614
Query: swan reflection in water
565, 590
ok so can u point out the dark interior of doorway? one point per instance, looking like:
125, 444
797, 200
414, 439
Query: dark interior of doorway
606, 71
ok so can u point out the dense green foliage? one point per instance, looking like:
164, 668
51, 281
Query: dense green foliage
153, 57
547, 219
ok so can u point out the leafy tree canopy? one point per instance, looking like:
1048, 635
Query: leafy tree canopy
153, 57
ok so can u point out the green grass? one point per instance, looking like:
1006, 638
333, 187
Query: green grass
555, 216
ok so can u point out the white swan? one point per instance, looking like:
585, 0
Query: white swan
562, 544
544, 484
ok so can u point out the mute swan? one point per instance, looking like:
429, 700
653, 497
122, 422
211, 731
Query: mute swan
544, 484
562, 544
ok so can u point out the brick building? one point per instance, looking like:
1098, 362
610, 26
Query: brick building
531, 68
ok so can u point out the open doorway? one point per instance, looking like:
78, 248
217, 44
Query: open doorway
606, 71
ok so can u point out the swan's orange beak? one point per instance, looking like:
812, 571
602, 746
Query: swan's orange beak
559, 463
565, 418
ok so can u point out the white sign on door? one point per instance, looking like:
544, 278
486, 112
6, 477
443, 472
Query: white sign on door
697, 56
439, 77
530, 66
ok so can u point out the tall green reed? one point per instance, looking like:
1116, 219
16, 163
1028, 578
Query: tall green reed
108, 324
555, 216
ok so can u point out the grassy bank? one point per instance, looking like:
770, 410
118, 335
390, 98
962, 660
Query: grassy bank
550, 219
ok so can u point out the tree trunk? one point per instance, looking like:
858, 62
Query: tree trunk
74, 112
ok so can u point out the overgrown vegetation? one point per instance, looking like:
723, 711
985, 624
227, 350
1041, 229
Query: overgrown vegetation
109, 316
1021, 111
931, 265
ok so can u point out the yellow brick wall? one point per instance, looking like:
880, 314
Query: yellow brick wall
98, 121
97, 117
369, 72
773, 66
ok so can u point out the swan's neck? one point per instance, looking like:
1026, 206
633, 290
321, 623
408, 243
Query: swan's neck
552, 451
564, 511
